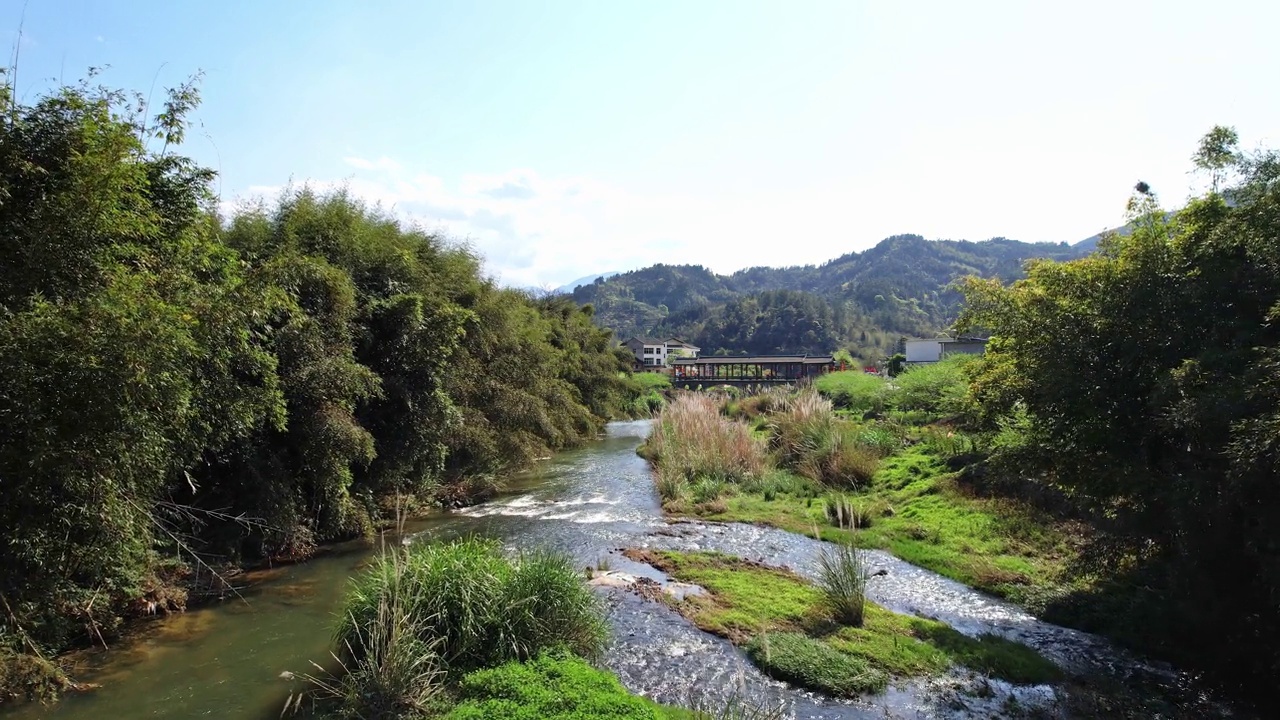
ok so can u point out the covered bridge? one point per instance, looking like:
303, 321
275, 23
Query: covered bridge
749, 369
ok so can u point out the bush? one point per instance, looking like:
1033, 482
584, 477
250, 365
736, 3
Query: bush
29, 677
392, 672
884, 439
843, 580
806, 423
799, 659
473, 607
854, 390
940, 388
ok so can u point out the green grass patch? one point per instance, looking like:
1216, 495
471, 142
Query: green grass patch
804, 661
780, 618
923, 517
652, 380
554, 686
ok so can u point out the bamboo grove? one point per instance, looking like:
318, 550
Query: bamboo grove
182, 390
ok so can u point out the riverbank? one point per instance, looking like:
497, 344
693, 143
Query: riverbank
909, 482
795, 463
787, 626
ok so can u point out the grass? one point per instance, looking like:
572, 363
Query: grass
649, 391
652, 380
813, 664
473, 606
915, 509
561, 686
698, 451
843, 580
763, 608
555, 686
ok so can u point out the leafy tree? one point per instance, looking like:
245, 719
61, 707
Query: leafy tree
1147, 375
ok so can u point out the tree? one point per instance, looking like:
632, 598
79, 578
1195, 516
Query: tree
1147, 375
1217, 154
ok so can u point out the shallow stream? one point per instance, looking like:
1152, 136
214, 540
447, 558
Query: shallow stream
227, 660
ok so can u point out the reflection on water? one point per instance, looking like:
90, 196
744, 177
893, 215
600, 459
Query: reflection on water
226, 661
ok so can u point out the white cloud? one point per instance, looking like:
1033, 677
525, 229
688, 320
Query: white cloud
535, 230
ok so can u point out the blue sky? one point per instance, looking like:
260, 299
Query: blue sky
565, 138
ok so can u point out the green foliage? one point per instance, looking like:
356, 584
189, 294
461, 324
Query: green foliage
475, 608
554, 686
1144, 382
939, 389
815, 665
853, 390
753, 605
25, 676
843, 580
177, 385
692, 443
861, 301
807, 437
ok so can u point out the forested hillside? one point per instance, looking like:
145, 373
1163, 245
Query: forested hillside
182, 390
861, 301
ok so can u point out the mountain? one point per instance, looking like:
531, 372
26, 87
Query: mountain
585, 280
861, 301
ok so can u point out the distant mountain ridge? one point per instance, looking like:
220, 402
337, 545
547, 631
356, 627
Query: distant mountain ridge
863, 301
572, 285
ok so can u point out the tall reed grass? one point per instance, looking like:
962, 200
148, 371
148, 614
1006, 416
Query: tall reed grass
843, 580
692, 442
809, 438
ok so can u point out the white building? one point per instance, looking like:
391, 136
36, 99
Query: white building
651, 352
926, 351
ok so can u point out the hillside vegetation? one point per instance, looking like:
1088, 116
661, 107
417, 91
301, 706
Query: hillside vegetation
864, 302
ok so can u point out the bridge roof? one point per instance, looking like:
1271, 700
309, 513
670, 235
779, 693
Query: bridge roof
756, 360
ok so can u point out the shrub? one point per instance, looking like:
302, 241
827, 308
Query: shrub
939, 388
474, 607
882, 438
707, 489
946, 442
671, 484
29, 677
799, 659
842, 463
391, 671
843, 581
854, 390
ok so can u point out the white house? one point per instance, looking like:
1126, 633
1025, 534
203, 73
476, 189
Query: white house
652, 352
926, 351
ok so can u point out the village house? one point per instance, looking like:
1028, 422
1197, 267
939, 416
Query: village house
651, 352
935, 349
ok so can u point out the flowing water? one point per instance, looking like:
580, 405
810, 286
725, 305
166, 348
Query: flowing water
231, 660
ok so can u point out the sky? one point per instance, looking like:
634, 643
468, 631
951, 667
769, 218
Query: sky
565, 138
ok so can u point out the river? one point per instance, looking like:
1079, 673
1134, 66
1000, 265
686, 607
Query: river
228, 660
